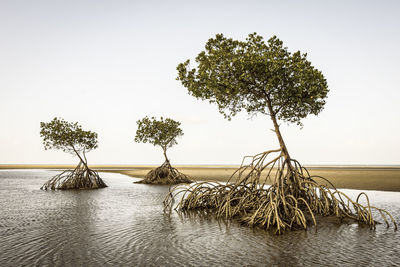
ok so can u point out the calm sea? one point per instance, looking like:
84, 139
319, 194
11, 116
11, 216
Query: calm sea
124, 225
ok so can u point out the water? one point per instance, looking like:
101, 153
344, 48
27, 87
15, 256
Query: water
124, 225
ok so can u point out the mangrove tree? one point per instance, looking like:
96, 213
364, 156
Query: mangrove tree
264, 78
162, 133
71, 138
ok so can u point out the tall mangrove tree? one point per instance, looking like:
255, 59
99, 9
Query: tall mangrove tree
264, 78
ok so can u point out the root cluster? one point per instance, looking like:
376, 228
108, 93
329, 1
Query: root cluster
80, 178
165, 174
291, 202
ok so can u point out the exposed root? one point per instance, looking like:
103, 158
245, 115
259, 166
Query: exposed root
291, 202
80, 178
165, 174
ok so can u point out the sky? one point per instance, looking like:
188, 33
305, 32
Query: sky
107, 64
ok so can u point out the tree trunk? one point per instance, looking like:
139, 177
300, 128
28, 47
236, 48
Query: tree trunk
279, 135
285, 152
165, 154
81, 159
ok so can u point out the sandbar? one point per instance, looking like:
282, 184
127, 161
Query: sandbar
381, 178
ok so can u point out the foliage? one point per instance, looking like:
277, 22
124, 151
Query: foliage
67, 136
161, 132
264, 78
257, 77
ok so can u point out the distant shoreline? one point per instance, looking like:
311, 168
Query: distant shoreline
147, 166
383, 178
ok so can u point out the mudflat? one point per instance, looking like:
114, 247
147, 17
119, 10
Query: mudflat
364, 178
350, 177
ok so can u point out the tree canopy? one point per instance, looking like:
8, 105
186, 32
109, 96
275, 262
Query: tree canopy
163, 132
257, 77
264, 78
67, 136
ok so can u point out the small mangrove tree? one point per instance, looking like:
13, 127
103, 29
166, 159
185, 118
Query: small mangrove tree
70, 138
162, 133
264, 78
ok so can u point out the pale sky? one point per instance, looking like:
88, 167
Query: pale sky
106, 64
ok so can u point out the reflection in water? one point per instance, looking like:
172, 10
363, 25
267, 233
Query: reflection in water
124, 225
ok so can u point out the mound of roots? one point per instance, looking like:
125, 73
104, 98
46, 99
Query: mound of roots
165, 174
80, 178
291, 202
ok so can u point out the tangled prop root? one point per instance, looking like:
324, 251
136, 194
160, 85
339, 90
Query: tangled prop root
80, 178
165, 174
290, 203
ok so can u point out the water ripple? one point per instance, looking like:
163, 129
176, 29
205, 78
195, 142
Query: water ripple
124, 225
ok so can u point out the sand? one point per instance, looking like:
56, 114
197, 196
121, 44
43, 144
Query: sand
365, 178
354, 177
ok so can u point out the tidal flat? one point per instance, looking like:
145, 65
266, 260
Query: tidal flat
363, 177
124, 225
349, 177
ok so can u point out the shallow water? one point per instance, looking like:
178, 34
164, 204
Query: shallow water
124, 225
